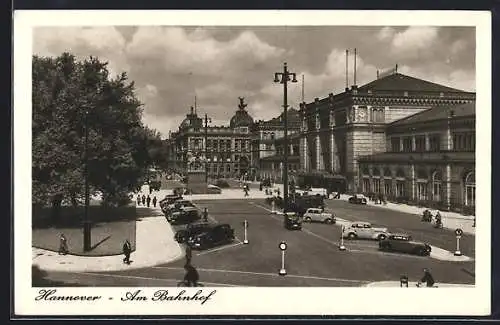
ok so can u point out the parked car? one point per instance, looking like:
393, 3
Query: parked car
358, 199
212, 189
364, 230
180, 204
169, 199
183, 216
316, 191
317, 215
213, 236
193, 229
403, 243
292, 221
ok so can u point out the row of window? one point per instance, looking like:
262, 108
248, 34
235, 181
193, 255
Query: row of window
462, 141
422, 188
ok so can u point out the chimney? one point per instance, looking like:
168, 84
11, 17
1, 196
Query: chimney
355, 55
346, 69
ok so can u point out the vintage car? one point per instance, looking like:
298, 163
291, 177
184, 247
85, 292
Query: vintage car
193, 229
183, 216
358, 199
403, 243
316, 191
212, 189
364, 230
212, 236
292, 221
179, 204
168, 200
317, 215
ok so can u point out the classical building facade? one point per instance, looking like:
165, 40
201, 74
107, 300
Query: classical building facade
429, 156
340, 129
225, 151
268, 145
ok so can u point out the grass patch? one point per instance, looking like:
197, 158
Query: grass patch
110, 228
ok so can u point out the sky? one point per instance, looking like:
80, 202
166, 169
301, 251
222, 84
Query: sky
170, 65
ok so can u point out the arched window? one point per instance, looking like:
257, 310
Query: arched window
376, 172
365, 171
436, 185
470, 189
388, 182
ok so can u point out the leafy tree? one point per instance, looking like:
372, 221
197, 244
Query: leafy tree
67, 95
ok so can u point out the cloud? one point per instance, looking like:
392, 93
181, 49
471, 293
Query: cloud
169, 65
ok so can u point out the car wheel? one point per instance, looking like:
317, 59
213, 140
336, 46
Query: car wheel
381, 237
307, 219
351, 236
329, 221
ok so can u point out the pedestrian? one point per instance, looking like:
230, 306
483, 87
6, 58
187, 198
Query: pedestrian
192, 277
138, 199
63, 245
205, 215
148, 201
154, 201
427, 279
127, 249
189, 254
143, 199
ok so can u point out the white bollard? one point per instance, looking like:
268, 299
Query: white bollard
342, 247
458, 233
245, 241
273, 207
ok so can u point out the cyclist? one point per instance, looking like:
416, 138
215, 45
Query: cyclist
427, 279
191, 278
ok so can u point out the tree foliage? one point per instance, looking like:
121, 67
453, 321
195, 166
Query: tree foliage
67, 96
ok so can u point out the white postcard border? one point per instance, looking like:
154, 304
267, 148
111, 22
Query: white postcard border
254, 301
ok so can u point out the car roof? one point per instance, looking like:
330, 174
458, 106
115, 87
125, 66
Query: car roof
361, 223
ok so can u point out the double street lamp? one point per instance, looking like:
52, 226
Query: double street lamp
284, 78
207, 120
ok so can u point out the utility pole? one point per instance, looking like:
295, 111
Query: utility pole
86, 221
285, 78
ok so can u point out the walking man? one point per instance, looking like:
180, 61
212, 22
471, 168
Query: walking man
148, 200
143, 199
154, 201
138, 199
205, 215
127, 249
192, 277
189, 254
63, 245
427, 279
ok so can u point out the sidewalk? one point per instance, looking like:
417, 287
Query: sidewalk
451, 220
155, 245
392, 284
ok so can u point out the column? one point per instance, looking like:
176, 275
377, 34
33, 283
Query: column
319, 158
305, 154
449, 146
427, 142
333, 151
400, 143
412, 175
413, 144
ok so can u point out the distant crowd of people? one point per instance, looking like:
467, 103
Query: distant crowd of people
146, 200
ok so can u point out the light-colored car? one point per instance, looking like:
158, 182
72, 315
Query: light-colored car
317, 191
317, 215
364, 230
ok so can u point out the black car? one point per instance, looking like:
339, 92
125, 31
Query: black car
358, 199
212, 236
403, 243
191, 230
292, 221
169, 199
183, 216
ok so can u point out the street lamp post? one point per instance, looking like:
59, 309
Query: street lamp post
284, 78
86, 221
207, 120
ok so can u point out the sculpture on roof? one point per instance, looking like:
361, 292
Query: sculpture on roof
242, 104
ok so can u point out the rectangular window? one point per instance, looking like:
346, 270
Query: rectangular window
366, 185
434, 142
400, 188
395, 145
376, 185
388, 187
407, 144
422, 191
436, 191
420, 143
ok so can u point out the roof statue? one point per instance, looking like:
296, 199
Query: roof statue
242, 104
241, 117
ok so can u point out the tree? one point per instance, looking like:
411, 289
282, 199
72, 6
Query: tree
67, 95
